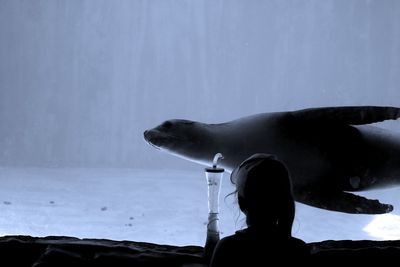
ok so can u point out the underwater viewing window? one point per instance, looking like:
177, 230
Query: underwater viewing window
81, 82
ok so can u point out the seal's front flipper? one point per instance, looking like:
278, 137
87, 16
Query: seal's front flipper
342, 202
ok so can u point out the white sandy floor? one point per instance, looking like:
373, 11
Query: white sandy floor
164, 206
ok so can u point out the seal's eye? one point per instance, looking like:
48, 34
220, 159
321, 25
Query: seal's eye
166, 125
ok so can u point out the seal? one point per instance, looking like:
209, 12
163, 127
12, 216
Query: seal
329, 151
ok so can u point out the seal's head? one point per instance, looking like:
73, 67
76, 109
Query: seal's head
184, 138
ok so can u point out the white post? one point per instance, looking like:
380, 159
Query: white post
214, 178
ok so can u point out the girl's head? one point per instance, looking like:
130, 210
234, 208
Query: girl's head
264, 192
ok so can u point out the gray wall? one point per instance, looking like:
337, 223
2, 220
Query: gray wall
81, 80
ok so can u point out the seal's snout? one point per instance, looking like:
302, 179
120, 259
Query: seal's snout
146, 135
151, 138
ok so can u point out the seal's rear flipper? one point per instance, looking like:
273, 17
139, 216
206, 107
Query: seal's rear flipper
342, 202
348, 115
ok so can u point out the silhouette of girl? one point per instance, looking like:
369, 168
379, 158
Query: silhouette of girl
265, 196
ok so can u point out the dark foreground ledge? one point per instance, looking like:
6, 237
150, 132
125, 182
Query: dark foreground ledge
69, 251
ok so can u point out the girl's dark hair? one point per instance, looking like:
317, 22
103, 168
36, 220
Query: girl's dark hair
261, 173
